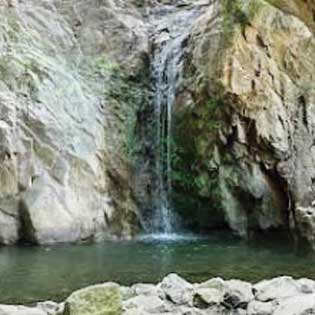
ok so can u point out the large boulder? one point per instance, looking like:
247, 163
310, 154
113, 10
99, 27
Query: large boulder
277, 288
104, 299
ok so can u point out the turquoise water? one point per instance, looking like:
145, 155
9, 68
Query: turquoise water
30, 274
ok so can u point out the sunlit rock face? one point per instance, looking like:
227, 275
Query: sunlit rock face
250, 65
65, 117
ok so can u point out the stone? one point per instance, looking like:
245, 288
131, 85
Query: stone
127, 292
146, 289
277, 288
149, 304
306, 286
51, 308
176, 289
239, 294
215, 283
103, 299
261, 308
297, 305
203, 298
20, 310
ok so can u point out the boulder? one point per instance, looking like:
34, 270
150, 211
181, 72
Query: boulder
297, 305
146, 303
103, 299
261, 308
277, 288
205, 297
146, 289
238, 294
20, 310
51, 308
176, 289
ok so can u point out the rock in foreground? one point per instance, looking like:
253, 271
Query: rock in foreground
175, 296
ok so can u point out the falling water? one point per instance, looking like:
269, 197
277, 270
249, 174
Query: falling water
172, 26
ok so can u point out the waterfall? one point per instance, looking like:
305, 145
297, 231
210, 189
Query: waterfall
171, 28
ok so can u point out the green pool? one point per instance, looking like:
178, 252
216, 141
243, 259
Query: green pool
30, 274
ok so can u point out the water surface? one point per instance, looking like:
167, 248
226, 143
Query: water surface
30, 274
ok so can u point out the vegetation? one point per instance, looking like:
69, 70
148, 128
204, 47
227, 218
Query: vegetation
123, 98
195, 170
237, 14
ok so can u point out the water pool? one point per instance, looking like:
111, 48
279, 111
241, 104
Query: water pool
29, 274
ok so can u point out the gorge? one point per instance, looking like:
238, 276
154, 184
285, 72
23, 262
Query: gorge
155, 136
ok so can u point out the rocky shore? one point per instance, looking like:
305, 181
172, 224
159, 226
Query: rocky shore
174, 295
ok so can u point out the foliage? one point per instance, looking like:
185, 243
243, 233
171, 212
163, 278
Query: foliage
193, 171
238, 14
123, 96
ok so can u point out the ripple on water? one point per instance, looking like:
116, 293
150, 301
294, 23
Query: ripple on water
169, 237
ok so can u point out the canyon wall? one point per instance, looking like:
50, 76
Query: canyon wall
75, 94
247, 107
69, 94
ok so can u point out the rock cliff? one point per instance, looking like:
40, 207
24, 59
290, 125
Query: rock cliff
75, 94
69, 93
246, 107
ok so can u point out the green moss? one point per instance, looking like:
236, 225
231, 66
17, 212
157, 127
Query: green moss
237, 14
195, 168
96, 300
124, 96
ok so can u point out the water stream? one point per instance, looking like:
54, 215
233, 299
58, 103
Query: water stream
171, 26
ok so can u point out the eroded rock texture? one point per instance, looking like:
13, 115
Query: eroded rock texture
247, 108
66, 118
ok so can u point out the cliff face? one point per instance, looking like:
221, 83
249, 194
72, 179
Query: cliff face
69, 92
74, 88
249, 112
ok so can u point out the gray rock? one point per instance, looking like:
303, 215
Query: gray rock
51, 308
306, 285
278, 288
205, 297
147, 304
238, 294
215, 283
297, 305
127, 292
177, 289
147, 289
20, 310
261, 308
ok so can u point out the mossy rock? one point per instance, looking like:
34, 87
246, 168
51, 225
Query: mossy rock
103, 299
